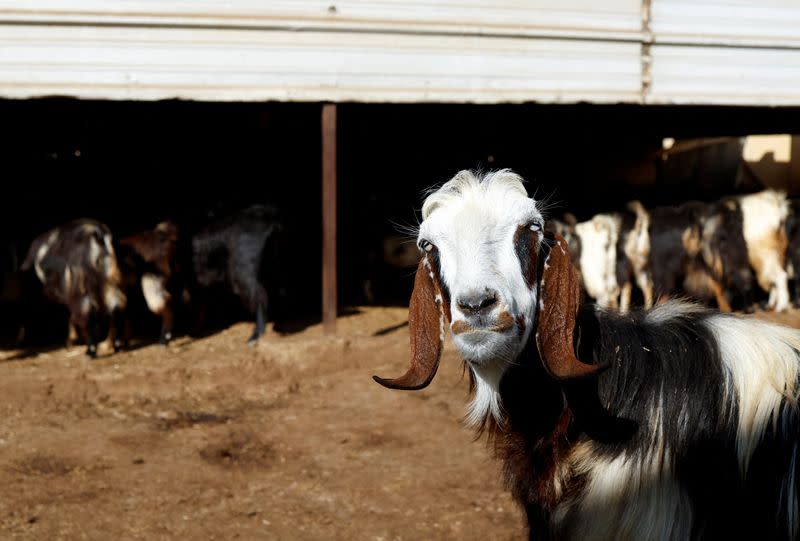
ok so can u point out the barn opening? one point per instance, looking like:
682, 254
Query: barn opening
132, 164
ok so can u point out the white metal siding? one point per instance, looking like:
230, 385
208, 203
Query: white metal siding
617, 18
692, 74
768, 23
738, 52
387, 50
699, 51
124, 63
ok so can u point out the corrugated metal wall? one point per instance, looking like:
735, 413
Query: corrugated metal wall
725, 52
634, 51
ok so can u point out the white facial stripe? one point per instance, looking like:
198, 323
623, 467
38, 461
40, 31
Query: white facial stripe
473, 222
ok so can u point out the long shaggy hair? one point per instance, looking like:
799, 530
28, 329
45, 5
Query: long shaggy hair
672, 423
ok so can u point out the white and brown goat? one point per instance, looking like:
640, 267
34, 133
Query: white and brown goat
764, 225
612, 252
77, 266
672, 423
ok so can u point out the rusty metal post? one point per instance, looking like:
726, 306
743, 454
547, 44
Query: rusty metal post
329, 218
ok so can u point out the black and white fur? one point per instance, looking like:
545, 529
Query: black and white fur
712, 402
690, 431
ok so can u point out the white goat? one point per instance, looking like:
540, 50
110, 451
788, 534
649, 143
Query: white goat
675, 423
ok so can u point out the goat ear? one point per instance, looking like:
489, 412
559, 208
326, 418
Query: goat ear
426, 322
559, 302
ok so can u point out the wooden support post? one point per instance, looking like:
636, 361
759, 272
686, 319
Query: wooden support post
329, 218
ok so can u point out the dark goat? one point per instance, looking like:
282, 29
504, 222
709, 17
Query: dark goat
241, 252
724, 250
77, 266
152, 261
675, 234
700, 248
677, 259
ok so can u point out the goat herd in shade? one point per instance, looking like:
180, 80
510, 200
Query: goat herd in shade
81, 266
709, 251
720, 252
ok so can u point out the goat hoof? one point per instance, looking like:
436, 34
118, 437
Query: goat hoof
252, 342
92, 353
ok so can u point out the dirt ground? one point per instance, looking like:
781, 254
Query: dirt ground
210, 439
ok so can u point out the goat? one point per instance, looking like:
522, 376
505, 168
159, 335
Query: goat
764, 216
153, 262
724, 253
612, 250
672, 423
599, 237
240, 252
633, 255
77, 266
685, 252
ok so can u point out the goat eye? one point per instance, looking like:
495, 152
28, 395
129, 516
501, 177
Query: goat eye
425, 245
535, 226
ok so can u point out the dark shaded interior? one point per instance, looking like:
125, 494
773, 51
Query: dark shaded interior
132, 164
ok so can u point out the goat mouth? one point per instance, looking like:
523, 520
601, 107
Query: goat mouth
503, 323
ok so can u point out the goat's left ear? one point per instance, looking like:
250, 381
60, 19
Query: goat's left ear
559, 302
426, 321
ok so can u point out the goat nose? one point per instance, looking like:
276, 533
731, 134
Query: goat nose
476, 303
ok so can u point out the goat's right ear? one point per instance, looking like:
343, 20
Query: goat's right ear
426, 322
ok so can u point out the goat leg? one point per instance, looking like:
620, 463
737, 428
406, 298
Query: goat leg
646, 285
261, 318
72, 333
719, 295
119, 331
90, 329
795, 287
167, 319
200, 306
625, 297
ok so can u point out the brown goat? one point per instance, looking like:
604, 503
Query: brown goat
153, 263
